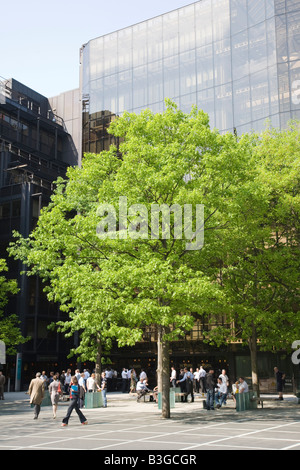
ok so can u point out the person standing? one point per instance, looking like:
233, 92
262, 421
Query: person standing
104, 389
2, 383
67, 383
124, 380
55, 392
132, 381
202, 376
173, 377
280, 381
82, 390
210, 387
45, 379
91, 383
36, 391
74, 403
197, 380
221, 393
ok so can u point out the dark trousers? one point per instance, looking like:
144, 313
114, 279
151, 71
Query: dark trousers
37, 409
74, 406
124, 385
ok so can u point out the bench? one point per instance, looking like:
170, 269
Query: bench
259, 401
148, 394
180, 395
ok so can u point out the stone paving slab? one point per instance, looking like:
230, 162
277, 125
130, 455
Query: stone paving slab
131, 427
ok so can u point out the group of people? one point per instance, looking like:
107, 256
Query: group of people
74, 386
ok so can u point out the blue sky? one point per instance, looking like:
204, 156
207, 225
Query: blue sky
40, 40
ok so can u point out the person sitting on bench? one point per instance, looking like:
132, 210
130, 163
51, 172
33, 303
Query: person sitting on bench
141, 388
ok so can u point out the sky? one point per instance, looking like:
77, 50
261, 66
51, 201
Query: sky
40, 40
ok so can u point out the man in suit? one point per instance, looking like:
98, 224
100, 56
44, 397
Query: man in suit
36, 391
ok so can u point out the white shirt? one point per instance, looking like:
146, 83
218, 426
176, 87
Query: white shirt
173, 374
81, 382
243, 387
224, 378
141, 386
196, 375
202, 372
68, 378
124, 374
143, 375
91, 384
222, 388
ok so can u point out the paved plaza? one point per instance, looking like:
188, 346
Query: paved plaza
126, 425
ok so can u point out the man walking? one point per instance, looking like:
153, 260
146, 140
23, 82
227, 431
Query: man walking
36, 391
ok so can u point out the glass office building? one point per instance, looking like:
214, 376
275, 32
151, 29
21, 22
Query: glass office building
238, 60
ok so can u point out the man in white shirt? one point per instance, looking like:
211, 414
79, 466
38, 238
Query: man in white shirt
91, 384
202, 375
141, 388
197, 380
224, 377
221, 394
124, 380
143, 375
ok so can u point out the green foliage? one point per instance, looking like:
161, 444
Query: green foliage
10, 332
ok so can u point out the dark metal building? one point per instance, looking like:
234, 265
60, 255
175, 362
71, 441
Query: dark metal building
35, 149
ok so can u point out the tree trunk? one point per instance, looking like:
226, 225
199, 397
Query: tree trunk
253, 355
98, 360
163, 373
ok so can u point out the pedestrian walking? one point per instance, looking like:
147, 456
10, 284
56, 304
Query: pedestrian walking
74, 403
55, 392
2, 383
36, 391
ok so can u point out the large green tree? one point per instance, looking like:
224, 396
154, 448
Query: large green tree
111, 257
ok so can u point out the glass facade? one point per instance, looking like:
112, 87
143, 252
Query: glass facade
238, 60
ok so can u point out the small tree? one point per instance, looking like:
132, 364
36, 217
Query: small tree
10, 332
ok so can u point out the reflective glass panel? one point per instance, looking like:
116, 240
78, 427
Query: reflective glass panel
223, 107
171, 77
258, 47
238, 10
240, 59
187, 72
241, 101
187, 28
203, 21
294, 35
222, 61
170, 34
260, 95
205, 67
